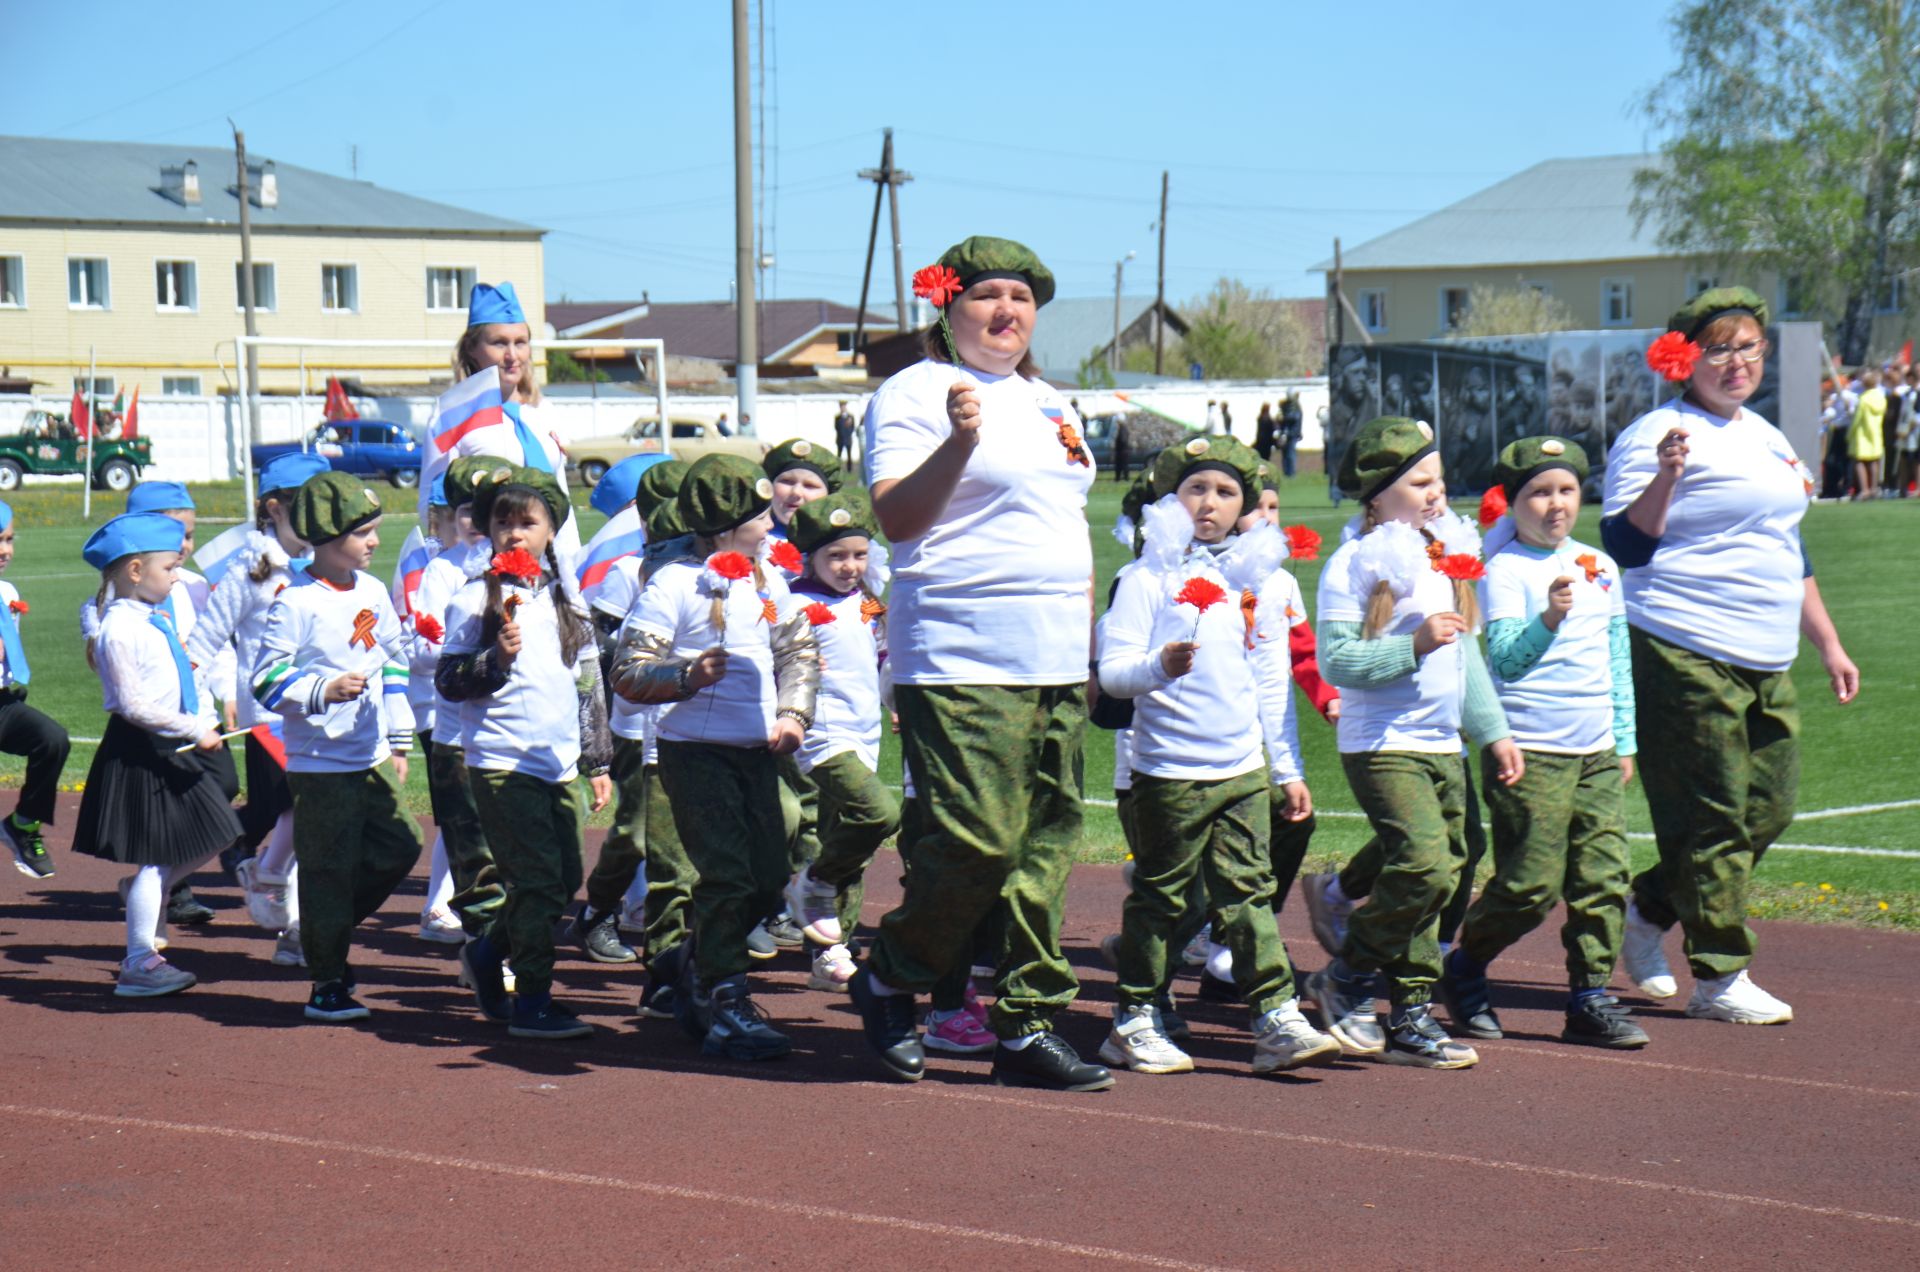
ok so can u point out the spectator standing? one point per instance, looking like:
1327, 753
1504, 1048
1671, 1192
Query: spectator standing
1292, 426
1865, 442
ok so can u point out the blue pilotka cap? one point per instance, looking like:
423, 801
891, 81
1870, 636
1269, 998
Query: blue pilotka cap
6, 516
621, 484
131, 533
488, 303
437, 493
292, 471
158, 496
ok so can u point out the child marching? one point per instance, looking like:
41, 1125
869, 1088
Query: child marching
25, 731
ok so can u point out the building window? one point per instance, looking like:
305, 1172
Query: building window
340, 289
1453, 307
448, 287
843, 341
103, 387
87, 282
1894, 299
1373, 309
1616, 302
180, 385
265, 296
13, 283
175, 288
1699, 283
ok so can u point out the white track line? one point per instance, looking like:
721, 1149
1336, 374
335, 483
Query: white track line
1589, 1056
1433, 1155
674, 1192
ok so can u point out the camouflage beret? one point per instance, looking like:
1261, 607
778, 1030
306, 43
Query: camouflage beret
1228, 455
1693, 316
487, 486
839, 516
721, 492
798, 452
1381, 453
332, 504
1527, 458
985, 257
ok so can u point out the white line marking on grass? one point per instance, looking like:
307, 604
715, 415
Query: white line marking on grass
1434, 1155
1855, 810
676, 1192
1840, 850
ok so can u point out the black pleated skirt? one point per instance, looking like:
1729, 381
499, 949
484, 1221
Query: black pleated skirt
147, 806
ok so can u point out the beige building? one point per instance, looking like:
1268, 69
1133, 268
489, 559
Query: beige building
131, 253
1567, 227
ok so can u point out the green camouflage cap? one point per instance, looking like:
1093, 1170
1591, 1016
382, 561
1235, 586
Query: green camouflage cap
721, 492
331, 504
1708, 305
664, 523
842, 515
487, 486
460, 475
798, 452
985, 257
1198, 453
1381, 453
659, 486
1527, 458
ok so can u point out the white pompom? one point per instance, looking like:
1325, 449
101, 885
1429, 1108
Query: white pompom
1252, 557
1457, 534
879, 569
1393, 554
1123, 529
1169, 530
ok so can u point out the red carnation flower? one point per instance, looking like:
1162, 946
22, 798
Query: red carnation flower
786, 556
730, 565
429, 626
819, 615
1673, 355
17, 606
1461, 567
517, 563
1303, 543
1493, 506
938, 283
1202, 594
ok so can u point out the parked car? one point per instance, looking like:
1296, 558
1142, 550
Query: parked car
48, 446
365, 448
592, 456
1147, 436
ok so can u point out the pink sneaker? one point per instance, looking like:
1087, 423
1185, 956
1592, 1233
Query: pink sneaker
973, 1007
959, 1034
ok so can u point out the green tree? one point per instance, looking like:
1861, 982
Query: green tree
1094, 373
1794, 131
564, 368
1512, 311
1237, 333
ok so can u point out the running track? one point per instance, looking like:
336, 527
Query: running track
216, 1130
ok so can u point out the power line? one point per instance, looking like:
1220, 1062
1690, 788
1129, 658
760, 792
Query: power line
1217, 167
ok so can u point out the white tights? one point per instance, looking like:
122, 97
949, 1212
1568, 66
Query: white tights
439, 878
147, 905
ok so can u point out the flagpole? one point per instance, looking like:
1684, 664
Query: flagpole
86, 491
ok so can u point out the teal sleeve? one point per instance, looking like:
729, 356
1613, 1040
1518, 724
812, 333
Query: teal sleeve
1481, 716
1625, 735
1350, 662
1516, 645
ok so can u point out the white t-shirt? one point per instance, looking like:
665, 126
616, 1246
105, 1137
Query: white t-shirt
1727, 579
996, 592
315, 632
531, 724
1420, 712
503, 439
1564, 704
846, 713
8, 595
737, 711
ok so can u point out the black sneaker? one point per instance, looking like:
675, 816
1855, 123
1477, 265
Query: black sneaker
760, 943
1048, 1061
691, 1008
480, 972
891, 1027
1468, 1001
538, 1016
599, 937
737, 1029
1214, 989
663, 980
30, 856
1415, 1038
1598, 1020
785, 932
185, 910
1172, 1023
230, 858
333, 1004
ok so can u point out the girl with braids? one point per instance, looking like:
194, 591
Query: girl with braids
1397, 613
521, 664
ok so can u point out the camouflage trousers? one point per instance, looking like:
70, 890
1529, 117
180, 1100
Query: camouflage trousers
799, 814
1357, 876
534, 827
997, 768
726, 805
477, 891
949, 993
857, 814
1720, 760
1557, 833
354, 846
643, 833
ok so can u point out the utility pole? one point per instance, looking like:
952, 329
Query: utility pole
246, 289
888, 179
1160, 286
747, 358
1113, 350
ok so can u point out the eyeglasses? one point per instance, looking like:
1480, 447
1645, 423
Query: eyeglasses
1720, 354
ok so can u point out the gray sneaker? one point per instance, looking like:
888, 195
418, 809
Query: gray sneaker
1282, 1040
760, 943
599, 937
1328, 919
153, 977
1346, 1005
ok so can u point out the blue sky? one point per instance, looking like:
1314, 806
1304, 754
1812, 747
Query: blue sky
1282, 124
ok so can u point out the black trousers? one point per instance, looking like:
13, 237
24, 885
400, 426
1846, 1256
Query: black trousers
25, 731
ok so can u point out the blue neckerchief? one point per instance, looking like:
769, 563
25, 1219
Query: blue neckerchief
172, 613
16, 649
162, 618
536, 454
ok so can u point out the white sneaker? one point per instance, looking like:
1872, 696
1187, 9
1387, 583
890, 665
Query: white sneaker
152, 977
1137, 1043
1328, 917
287, 951
1199, 949
833, 967
1282, 1039
632, 922
1737, 999
439, 925
814, 906
266, 898
1644, 959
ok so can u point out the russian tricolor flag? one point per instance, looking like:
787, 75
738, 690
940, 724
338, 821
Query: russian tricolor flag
622, 536
220, 553
414, 556
269, 735
474, 403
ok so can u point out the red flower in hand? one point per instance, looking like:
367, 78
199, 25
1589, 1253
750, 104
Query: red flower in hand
1202, 594
1461, 567
786, 556
1673, 355
1303, 543
938, 283
1493, 506
730, 565
517, 563
429, 626
17, 606
819, 615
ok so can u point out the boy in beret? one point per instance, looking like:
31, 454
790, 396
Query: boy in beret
25, 731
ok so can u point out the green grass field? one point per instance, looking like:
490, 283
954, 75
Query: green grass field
1866, 753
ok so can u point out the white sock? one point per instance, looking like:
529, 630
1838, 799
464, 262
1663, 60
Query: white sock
1332, 892
276, 856
146, 902
293, 895
1019, 1044
1220, 961
439, 877
636, 899
880, 987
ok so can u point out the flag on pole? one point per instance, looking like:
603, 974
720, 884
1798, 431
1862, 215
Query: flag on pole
77, 414
1154, 410
622, 536
222, 552
271, 737
414, 556
130, 426
474, 403
339, 406
1906, 353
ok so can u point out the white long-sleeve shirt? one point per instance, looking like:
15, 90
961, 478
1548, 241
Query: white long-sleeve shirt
846, 715
139, 679
440, 582
739, 709
316, 632
531, 724
235, 618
